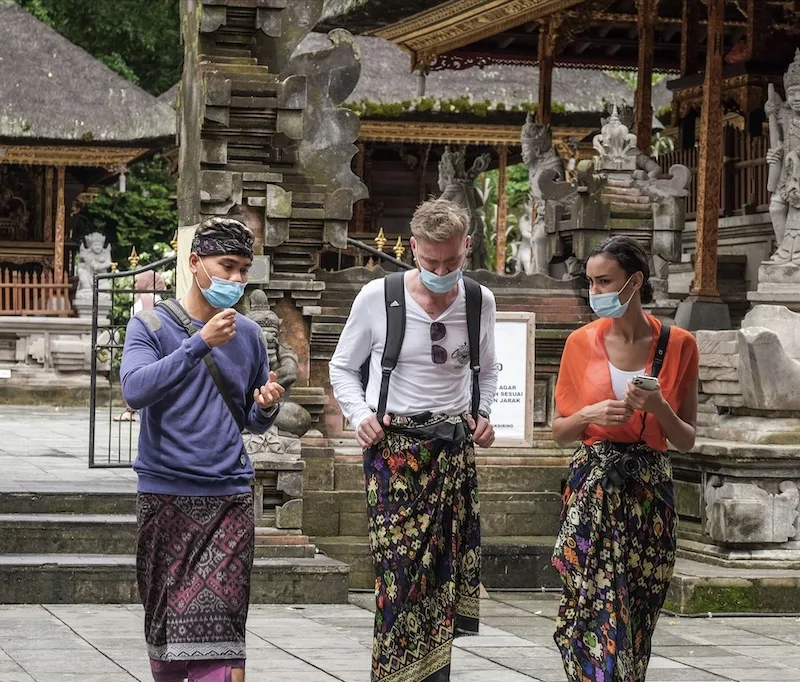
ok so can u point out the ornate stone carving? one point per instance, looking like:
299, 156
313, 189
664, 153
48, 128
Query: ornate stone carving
457, 184
282, 440
745, 513
94, 258
615, 145
783, 158
540, 156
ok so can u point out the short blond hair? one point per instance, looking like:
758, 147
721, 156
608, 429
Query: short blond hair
439, 220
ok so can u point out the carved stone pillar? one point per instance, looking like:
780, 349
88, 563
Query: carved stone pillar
502, 211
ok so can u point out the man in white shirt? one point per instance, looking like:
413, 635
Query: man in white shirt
419, 459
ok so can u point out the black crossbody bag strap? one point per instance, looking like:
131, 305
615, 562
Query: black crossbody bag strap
474, 297
395, 299
182, 318
658, 362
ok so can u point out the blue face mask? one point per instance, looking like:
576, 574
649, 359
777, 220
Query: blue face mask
440, 284
222, 293
609, 305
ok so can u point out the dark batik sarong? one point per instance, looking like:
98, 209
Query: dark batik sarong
424, 532
615, 554
193, 565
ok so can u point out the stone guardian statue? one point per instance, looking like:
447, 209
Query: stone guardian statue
783, 158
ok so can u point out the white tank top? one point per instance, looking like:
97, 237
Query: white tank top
620, 379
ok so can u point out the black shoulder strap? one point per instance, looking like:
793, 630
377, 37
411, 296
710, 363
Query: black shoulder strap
661, 349
182, 318
395, 297
658, 362
474, 306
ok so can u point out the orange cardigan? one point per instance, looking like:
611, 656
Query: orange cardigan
584, 379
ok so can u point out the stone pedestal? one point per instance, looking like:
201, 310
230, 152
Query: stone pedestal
83, 305
778, 285
695, 313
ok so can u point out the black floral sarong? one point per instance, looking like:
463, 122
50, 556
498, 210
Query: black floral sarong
424, 532
615, 554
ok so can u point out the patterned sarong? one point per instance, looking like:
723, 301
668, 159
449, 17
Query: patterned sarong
193, 565
424, 532
615, 554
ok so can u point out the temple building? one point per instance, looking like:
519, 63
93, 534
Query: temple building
67, 123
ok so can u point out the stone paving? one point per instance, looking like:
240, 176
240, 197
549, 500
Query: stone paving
332, 643
45, 450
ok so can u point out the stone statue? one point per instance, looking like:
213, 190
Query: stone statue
783, 158
458, 185
94, 258
540, 156
282, 359
282, 440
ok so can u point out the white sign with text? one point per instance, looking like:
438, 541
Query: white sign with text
512, 412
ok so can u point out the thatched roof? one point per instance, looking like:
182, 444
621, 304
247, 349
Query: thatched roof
386, 78
52, 90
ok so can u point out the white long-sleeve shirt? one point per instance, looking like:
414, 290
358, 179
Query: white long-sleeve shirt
417, 385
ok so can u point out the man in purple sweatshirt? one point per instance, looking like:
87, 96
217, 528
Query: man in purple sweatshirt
194, 504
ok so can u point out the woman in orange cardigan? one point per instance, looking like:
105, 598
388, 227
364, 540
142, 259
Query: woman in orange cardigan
616, 548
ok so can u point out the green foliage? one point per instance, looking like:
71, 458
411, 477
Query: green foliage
464, 105
662, 144
631, 78
144, 216
517, 189
140, 41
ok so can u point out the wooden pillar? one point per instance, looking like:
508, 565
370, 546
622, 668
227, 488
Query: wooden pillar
58, 261
709, 172
690, 21
48, 205
643, 105
358, 209
502, 211
546, 58
757, 21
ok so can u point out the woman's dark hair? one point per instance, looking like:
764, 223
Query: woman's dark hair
631, 257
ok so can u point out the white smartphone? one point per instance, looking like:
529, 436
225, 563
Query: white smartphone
645, 383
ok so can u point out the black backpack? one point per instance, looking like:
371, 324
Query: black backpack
395, 300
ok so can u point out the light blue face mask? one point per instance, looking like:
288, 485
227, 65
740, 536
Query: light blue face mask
440, 284
609, 305
222, 293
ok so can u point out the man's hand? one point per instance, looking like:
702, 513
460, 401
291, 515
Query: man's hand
269, 394
608, 413
482, 432
370, 430
220, 329
646, 401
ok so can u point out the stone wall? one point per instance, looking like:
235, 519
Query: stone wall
719, 369
45, 360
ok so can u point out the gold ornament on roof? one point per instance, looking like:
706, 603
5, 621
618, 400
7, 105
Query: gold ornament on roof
133, 259
381, 240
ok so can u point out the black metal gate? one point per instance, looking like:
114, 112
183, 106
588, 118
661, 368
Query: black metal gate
113, 428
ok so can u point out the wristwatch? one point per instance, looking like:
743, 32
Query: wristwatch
272, 412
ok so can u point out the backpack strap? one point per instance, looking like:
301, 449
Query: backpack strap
395, 298
658, 362
176, 310
474, 306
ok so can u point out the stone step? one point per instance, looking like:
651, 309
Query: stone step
702, 588
335, 513
498, 478
67, 533
68, 502
506, 563
111, 579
